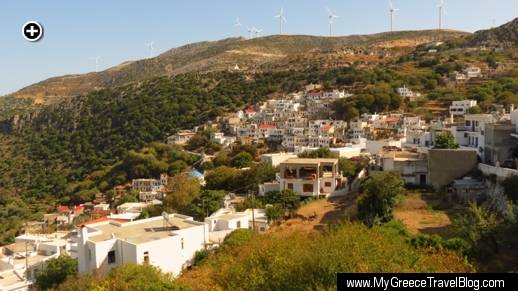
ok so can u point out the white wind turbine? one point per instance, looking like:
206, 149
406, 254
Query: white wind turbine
441, 11
251, 31
96, 60
151, 46
332, 18
257, 32
392, 11
238, 26
281, 19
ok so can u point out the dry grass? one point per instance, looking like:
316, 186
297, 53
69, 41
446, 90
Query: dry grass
416, 214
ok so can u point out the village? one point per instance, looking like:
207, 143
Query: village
112, 233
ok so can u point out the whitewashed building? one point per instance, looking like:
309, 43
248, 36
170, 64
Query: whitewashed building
460, 108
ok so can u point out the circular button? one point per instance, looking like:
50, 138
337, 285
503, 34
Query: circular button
32, 31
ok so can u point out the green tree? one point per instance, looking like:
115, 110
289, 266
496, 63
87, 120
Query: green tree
318, 153
445, 141
241, 160
287, 199
347, 167
274, 212
207, 203
56, 271
376, 204
181, 191
222, 178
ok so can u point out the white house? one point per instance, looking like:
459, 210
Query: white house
224, 221
167, 242
471, 133
473, 72
462, 107
181, 137
311, 177
407, 93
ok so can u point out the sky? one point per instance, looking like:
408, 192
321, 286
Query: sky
117, 30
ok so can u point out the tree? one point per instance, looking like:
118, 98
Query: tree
347, 167
222, 178
130, 196
445, 141
181, 191
55, 272
510, 185
241, 160
208, 202
376, 204
318, 153
274, 212
287, 199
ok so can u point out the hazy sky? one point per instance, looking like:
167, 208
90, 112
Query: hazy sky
116, 30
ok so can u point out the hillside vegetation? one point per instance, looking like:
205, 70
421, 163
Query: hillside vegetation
224, 54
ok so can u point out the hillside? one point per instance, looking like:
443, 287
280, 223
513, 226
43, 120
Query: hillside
504, 35
224, 54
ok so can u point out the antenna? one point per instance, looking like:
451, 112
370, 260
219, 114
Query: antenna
151, 46
392, 10
238, 26
96, 60
332, 18
281, 19
251, 31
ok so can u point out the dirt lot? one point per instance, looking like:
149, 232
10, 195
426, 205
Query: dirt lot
418, 216
317, 214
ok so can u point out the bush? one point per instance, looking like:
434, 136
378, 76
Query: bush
200, 256
55, 272
380, 190
238, 237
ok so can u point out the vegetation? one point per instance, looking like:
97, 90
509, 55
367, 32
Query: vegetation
510, 185
124, 278
275, 261
445, 141
380, 190
56, 271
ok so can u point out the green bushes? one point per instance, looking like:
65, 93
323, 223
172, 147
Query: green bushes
275, 261
55, 272
380, 190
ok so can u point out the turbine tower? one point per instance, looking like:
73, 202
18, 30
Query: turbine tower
332, 18
257, 32
441, 7
96, 60
251, 31
151, 46
281, 19
238, 26
392, 11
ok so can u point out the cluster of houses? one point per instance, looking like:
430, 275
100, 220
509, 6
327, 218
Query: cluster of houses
299, 122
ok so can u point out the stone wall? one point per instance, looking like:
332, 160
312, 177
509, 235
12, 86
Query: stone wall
446, 165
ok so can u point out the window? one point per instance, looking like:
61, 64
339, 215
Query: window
111, 257
327, 184
146, 257
290, 186
182, 243
307, 187
238, 224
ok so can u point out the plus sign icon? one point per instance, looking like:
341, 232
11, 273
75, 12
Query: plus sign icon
32, 31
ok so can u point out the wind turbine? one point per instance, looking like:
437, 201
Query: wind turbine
332, 18
392, 11
96, 60
238, 26
257, 32
251, 31
151, 47
441, 7
281, 19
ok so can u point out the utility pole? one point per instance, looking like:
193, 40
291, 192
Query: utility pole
253, 208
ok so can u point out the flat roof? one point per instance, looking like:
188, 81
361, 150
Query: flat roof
305, 161
141, 231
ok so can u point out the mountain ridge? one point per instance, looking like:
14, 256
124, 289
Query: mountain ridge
248, 54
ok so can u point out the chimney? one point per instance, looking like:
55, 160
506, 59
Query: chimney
82, 250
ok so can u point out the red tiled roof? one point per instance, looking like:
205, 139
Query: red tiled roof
392, 119
250, 110
102, 219
266, 126
63, 209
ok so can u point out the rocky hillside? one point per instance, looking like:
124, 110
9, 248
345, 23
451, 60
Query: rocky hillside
224, 54
504, 35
